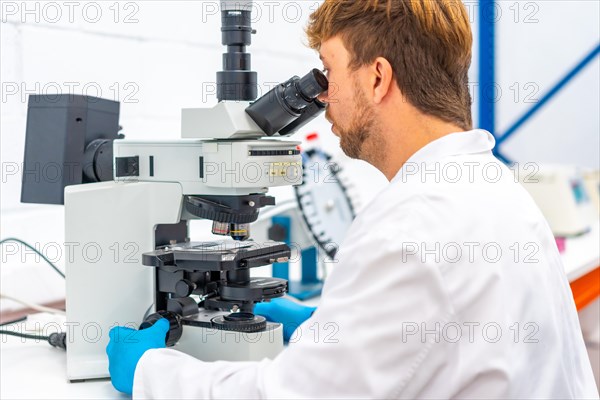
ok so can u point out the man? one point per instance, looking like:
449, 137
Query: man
448, 285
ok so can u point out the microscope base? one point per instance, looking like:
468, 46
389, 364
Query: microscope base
210, 344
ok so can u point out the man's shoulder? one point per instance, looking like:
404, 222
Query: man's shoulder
489, 194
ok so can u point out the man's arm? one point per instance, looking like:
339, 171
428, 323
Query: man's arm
360, 342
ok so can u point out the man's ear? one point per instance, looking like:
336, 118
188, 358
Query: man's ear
383, 75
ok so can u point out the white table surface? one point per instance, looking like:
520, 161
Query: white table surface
30, 370
35, 370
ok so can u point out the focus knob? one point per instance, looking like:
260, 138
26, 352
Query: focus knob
175, 329
184, 288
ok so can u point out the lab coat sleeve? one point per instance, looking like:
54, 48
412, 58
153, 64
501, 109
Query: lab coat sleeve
170, 374
365, 339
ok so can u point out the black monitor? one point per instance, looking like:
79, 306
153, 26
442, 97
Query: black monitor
68, 142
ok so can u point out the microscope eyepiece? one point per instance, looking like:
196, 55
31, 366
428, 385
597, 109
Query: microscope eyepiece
288, 102
313, 84
301, 92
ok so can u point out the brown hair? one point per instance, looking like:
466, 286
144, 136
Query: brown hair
427, 42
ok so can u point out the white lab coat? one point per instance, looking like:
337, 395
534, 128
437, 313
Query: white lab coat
446, 287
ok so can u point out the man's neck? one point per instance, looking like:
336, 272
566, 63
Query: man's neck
404, 139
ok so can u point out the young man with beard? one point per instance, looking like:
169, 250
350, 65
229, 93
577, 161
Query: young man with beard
448, 285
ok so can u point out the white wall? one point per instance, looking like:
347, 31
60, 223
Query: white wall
538, 46
157, 57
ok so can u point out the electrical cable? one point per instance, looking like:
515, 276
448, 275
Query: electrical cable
24, 335
56, 339
36, 251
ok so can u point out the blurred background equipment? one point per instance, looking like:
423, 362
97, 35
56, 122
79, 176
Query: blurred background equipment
314, 223
562, 195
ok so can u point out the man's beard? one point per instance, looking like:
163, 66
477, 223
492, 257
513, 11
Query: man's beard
362, 127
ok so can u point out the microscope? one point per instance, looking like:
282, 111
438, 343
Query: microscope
130, 261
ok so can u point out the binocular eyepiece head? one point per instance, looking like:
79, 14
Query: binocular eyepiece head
285, 108
290, 105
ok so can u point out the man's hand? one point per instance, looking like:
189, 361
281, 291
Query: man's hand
127, 346
286, 312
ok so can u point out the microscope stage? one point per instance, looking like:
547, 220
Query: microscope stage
222, 255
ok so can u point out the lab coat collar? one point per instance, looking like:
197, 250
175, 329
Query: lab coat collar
469, 142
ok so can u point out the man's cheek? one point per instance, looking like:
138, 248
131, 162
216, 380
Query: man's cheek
333, 93
332, 113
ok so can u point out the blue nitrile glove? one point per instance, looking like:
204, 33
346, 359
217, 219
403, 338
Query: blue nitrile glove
287, 312
127, 346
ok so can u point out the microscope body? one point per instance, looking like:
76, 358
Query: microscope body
130, 260
121, 230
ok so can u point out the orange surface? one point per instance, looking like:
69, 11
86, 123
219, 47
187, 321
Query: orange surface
586, 289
